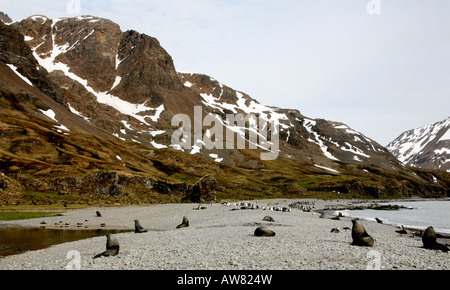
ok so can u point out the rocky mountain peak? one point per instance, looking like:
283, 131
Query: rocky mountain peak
5, 18
85, 46
425, 147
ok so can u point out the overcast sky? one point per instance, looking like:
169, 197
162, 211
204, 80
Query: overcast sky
381, 72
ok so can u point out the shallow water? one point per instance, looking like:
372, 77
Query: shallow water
18, 240
422, 215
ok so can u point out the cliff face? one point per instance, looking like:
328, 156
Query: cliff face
79, 95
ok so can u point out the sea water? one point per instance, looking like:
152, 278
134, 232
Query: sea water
18, 240
420, 216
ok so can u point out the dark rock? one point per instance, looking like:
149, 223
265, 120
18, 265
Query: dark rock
204, 191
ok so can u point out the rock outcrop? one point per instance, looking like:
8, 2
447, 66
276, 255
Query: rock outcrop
5, 18
204, 191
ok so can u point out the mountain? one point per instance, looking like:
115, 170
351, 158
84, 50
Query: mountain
427, 147
130, 87
88, 114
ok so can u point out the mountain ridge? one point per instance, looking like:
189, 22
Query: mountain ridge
426, 147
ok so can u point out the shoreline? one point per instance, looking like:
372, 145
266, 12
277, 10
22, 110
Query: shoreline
220, 238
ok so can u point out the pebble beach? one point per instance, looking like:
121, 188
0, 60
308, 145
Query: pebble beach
221, 237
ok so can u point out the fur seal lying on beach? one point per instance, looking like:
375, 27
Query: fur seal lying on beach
430, 242
360, 236
185, 223
264, 232
138, 229
112, 247
268, 219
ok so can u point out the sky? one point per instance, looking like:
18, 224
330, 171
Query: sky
380, 66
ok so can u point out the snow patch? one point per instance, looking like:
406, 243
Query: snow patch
116, 82
49, 113
158, 146
309, 124
39, 18
216, 157
196, 148
357, 158
156, 133
354, 150
446, 136
77, 113
326, 168
62, 127
14, 69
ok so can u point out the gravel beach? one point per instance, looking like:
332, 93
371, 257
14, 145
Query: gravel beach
222, 238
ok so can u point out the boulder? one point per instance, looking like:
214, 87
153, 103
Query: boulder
204, 191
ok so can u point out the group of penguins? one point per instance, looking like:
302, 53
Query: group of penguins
360, 237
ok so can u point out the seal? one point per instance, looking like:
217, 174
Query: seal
184, 224
335, 230
264, 232
268, 219
360, 236
99, 214
112, 247
430, 242
138, 229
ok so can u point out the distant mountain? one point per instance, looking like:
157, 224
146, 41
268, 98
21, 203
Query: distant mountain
426, 147
87, 110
